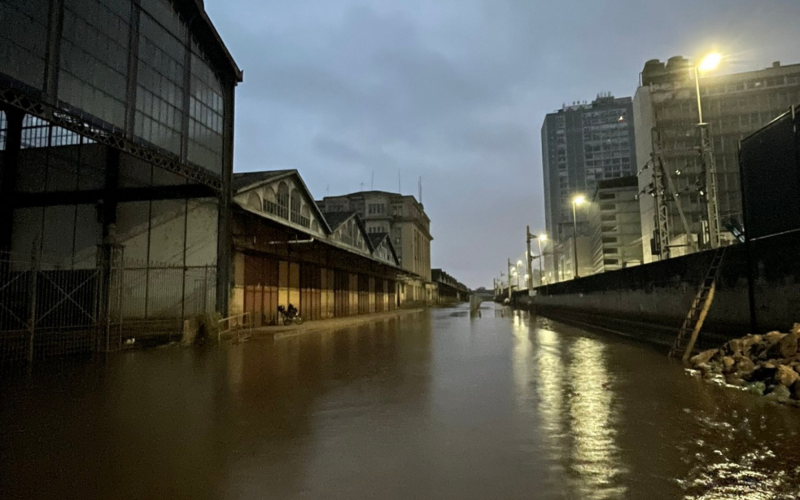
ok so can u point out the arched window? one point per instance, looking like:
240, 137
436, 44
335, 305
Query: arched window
283, 200
295, 207
314, 226
253, 201
305, 216
270, 201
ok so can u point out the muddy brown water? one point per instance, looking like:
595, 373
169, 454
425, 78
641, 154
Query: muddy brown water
430, 406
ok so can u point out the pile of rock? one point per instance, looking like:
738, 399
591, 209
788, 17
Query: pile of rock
763, 364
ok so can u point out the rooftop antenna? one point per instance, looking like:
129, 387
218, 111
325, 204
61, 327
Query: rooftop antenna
328, 189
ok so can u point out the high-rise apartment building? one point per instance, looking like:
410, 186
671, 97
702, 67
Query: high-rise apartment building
582, 144
404, 219
734, 105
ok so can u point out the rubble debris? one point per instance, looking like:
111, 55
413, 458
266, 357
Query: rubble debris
767, 364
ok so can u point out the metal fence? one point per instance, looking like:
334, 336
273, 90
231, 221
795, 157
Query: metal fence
45, 309
49, 309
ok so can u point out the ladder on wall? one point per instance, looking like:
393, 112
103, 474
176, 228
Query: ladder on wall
700, 306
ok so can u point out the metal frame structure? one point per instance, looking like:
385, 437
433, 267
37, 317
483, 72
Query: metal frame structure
660, 193
708, 172
661, 209
103, 135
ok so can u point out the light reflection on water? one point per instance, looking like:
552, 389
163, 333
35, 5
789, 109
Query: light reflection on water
595, 452
438, 405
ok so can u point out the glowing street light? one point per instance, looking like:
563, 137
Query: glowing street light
710, 62
539, 239
577, 200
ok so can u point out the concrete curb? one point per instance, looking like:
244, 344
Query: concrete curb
289, 331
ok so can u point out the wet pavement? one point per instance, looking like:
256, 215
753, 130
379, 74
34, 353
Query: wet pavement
435, 405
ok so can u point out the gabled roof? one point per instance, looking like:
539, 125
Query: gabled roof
336, 219
245, 181
208, 36
377, 238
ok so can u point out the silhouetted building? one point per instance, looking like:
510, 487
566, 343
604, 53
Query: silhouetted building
449, 289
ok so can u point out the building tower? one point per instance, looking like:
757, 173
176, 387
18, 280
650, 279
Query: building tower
582, 144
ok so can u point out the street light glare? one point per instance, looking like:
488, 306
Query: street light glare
542, 237
710, 61
519, 262
578, 200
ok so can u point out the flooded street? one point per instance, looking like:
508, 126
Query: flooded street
433, 405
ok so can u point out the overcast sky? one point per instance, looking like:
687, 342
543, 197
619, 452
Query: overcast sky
455, 91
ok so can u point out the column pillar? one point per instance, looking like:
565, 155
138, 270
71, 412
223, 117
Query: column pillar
8, 175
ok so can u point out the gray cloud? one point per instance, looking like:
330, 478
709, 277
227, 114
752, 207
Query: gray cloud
455, 91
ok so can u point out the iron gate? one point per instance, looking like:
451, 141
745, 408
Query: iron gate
49, 310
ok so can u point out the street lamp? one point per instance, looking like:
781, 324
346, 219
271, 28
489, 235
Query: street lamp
509, 280
577, 200
540, 238
708, 63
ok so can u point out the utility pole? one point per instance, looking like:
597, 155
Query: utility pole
661, 211
575, 273
709, 174
708, 168
530, 258
509, 279
661, 192
539, 238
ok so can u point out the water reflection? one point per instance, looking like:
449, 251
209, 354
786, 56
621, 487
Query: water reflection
551, 406
575, 406
595, 452
438, 405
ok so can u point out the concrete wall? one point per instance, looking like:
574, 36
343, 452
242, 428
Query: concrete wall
652, 300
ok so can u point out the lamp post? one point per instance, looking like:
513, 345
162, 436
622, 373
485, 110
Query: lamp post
577, 200
540, 238
528, 237
708, 63
509, 279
